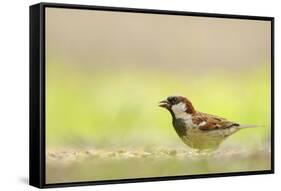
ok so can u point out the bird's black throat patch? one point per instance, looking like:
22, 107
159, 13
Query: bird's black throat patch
179, 126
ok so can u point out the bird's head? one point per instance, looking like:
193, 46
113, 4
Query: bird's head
177, 105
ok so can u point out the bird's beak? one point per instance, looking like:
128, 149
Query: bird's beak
164, 104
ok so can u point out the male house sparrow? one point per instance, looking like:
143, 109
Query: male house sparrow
196, 129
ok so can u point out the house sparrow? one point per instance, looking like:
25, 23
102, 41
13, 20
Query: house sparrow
198, 130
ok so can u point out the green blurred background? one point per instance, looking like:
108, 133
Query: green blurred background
107, 71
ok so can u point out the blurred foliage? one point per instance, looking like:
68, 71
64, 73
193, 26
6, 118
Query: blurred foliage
106, 107
109, 108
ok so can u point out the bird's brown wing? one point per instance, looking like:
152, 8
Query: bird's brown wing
211, 122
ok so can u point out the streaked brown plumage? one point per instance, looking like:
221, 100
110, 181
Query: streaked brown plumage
198, 130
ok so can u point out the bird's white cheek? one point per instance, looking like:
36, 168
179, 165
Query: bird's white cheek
179, 110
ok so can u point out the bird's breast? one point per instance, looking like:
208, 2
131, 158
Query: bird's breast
182, 126
194, 137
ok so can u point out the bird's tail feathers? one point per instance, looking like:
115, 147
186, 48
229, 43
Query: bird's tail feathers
243, 126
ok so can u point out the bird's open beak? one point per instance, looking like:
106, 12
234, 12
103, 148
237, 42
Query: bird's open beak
164, 104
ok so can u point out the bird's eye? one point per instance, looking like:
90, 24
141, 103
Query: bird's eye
172, 100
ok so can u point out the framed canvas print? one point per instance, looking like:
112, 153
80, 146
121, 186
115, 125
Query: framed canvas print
126, 95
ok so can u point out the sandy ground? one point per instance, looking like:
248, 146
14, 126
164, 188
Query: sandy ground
72, 165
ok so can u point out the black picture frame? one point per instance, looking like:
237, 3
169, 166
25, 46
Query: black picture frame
37, 94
